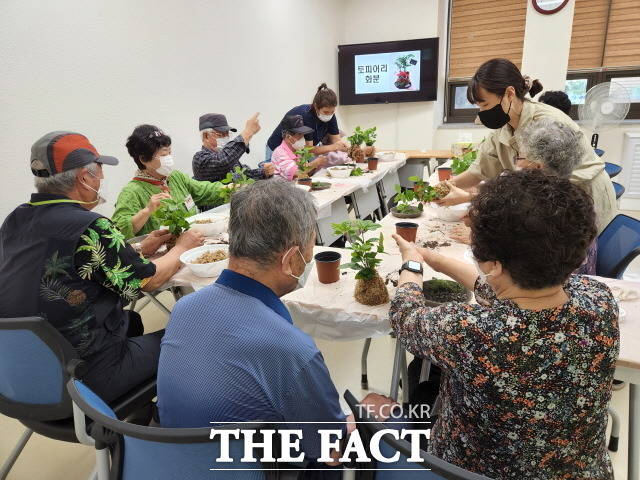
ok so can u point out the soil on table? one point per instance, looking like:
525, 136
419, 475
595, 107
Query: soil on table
435, 244
371, 291
443, 291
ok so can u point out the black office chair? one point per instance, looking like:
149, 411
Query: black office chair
35, 363
434, 467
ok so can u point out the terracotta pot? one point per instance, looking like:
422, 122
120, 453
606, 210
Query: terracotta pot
407, 230
328, 266
371, 291
444, 173
372, 163
305, 181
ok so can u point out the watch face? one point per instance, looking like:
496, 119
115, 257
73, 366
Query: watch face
413, 265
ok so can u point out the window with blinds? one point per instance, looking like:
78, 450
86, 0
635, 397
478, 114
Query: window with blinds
475, 36
605, 47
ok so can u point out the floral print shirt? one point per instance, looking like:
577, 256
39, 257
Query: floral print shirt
525, 392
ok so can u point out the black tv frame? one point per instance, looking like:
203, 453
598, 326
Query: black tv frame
428, 72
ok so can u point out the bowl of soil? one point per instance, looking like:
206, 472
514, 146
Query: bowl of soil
206, 261
437, 291
210, 227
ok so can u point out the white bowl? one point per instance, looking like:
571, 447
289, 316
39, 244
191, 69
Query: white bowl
386, 156
451, 214
217, 226
306, 188
340, 172
205, 269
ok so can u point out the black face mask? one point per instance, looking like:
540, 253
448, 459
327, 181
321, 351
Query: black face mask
495, 117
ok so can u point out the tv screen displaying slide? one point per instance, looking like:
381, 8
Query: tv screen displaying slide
388, 72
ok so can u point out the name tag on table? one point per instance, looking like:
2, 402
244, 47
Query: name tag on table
189, 203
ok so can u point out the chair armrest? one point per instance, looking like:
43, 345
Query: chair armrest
135, 399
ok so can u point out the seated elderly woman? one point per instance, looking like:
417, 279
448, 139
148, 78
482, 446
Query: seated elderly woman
284, 157
156, 180
528, 371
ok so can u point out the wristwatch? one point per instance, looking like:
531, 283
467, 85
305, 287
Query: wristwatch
412, 266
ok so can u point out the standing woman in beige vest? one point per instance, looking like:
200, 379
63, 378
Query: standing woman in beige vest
498, 89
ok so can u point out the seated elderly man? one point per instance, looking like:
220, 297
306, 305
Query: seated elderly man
61, 261
231, 352
220, 154
529, 368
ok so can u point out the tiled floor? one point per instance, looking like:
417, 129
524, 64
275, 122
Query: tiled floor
48, 459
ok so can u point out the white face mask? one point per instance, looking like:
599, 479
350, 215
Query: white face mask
101, 193
221, 142
299, 144
166, 165
302, 279
324, 118
481, 275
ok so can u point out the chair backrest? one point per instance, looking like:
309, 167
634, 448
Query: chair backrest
619, 189
34, 358
618, 245
391, 471
164, 453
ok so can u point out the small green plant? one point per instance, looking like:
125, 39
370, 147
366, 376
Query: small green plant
369, 136
403, 201
304, 158
356, 172
357, 138
462, 163
403, 62
173, 214
364, 252
236, 179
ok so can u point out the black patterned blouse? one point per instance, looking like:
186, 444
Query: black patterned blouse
525, 392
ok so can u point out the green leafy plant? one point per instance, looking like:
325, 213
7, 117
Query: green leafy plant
357, 138
356, 172
364, 252
426, 193
462, 163
369, 136
403, 62
403, 201
236, 179
173, 214
304, 158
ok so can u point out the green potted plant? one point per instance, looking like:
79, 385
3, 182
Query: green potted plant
403, 208
426, 193
369, 138
404, 79
437, 291
173, 215
355, 150
235, 181
370, 288
304, 159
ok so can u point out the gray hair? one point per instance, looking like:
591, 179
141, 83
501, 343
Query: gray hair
62, 183
269, 217
203, 131
553, 144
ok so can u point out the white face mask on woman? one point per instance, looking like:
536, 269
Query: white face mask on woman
299, 144
481, 275
166, 165
324, 118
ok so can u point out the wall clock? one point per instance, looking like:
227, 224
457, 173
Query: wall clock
549, 7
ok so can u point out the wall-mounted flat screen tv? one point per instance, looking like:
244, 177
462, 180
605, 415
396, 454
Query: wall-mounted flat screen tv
388, 72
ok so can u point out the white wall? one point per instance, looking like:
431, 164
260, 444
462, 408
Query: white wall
400, 125
101, 68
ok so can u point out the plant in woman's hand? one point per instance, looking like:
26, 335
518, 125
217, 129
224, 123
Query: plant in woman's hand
304, 159
370, 288
236, 180
173, 214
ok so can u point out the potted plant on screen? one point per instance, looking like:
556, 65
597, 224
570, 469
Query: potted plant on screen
304, 158
370, 288
404, 80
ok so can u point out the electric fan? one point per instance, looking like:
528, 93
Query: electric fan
605, 106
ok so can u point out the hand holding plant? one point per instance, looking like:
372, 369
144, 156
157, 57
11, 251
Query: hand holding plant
234, 181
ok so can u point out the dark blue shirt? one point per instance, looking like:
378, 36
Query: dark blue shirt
231, 354
320, 129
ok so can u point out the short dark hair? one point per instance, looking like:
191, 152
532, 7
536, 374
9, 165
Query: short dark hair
558, 99
537, 225
495, 76
325, 97
144, 142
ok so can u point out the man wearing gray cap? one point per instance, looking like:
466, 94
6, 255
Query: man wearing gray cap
71, 266
220, 154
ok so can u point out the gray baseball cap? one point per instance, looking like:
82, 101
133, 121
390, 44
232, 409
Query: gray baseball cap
57, 152
295, 124
217, 121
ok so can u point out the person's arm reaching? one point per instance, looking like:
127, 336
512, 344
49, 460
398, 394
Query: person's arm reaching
169, 263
